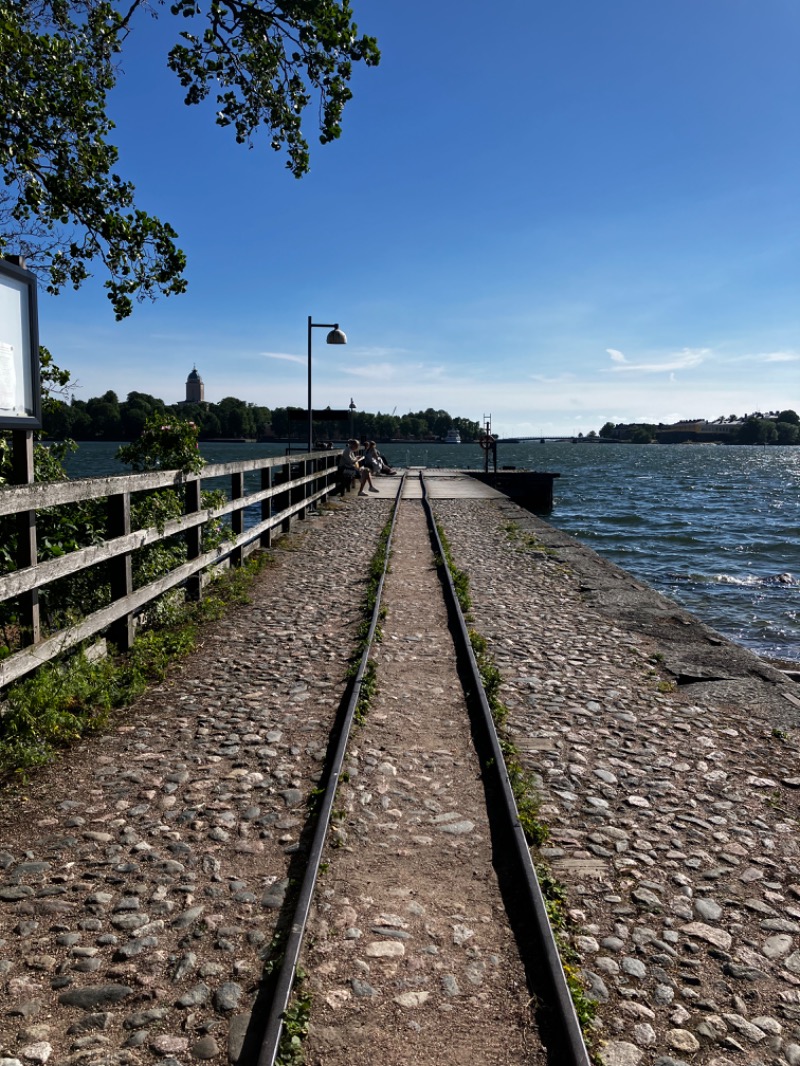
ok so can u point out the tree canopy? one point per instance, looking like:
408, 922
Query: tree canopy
62, 204
108, 418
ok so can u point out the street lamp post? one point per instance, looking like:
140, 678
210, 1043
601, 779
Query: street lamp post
336, 336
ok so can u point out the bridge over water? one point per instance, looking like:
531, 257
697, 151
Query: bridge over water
540, 440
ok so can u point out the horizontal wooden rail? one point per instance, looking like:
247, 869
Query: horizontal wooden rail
19, 581
15, 498
283, 492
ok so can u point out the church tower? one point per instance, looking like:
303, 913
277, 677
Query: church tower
195, 389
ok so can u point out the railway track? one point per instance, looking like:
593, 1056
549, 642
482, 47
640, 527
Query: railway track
419, 927
151, 875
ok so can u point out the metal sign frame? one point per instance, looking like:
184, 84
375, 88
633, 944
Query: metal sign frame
20, 391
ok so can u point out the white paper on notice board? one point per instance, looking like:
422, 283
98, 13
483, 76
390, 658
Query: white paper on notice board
16, 384
8, 377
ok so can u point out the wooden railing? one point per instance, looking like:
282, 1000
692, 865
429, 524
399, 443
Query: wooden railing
288, 487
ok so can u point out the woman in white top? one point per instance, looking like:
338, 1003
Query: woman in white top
350, 461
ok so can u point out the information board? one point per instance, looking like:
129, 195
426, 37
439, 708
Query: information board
20, 399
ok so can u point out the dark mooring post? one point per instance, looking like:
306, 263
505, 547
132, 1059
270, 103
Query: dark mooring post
22, 444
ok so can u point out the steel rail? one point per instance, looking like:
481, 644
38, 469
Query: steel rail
284, 982
571, 1049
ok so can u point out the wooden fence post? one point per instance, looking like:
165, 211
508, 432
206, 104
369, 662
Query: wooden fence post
305, 490
121, 568
23, 473
286, 497
327, 481
237, 517
266, 506
194, 537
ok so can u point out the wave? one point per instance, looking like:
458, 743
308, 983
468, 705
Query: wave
785, 580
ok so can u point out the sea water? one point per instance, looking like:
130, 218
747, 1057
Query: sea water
713, 527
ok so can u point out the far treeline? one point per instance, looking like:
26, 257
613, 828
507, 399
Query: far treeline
774, 427
107, 418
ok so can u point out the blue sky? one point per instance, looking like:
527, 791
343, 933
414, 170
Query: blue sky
554, 213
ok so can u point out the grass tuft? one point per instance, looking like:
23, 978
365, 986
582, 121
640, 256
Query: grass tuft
523, 541
291, 1051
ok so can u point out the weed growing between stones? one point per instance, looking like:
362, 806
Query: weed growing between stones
375, 572
525, 794
291, 1051
66, 699
555, 901
459, 577
526, 541
296, 1017
521, 780
369, 686
377, 567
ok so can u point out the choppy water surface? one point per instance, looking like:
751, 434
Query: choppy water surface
714, 528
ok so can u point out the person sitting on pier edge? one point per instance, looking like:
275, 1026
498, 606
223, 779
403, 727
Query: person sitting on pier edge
374, 461
351, 466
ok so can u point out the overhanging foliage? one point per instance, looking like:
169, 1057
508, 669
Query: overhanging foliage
62, 205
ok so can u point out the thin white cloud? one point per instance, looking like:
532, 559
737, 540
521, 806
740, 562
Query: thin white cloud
376, 352
287, 358
763, 357
616, 356
412, 372
543, 379
433, 373
369, 371
780, 357
684, 360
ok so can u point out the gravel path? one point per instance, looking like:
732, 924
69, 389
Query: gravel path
411, 958
142, 875
674, 814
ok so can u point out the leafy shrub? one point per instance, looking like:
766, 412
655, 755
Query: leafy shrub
164, 445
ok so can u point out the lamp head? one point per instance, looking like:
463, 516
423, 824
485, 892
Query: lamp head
336, 336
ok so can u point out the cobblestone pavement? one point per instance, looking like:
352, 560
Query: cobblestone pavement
410, 954
141, 876
673, 812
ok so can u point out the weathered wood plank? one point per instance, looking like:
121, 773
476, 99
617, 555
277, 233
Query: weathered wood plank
22, 581
56, 493
266, 506
15, 498
23, 473
194, 539
43, 573
237, 516
119, 525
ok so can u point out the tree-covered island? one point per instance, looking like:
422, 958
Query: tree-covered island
772, 427
108, 418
